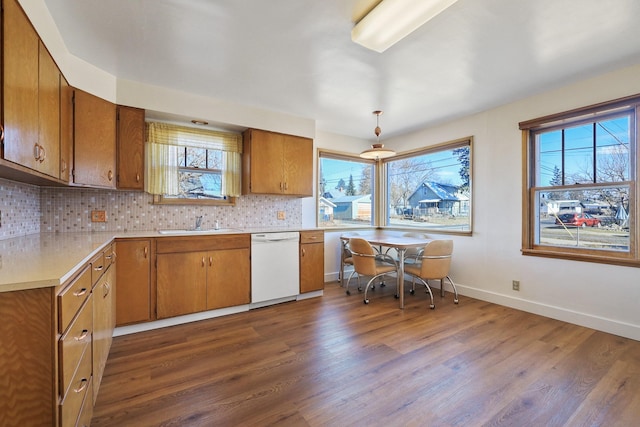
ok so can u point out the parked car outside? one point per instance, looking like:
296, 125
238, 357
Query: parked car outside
578, 220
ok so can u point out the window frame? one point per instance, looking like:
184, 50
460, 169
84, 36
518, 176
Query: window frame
181, 136
443, 146
379, 186
339, 155
565, 120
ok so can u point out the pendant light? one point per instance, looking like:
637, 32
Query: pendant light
377, 150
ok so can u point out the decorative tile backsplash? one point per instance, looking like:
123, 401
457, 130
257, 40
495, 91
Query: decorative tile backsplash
19, 209
27, 209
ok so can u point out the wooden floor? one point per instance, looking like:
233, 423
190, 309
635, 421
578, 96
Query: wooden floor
333, 361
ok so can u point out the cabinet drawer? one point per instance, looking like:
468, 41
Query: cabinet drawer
80, 390
98, 267
72, 298
202, 243
75, 342
315, 236
109, 256
86, 412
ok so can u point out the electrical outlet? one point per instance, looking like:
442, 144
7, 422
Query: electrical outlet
281, 215
516, 285
98, 216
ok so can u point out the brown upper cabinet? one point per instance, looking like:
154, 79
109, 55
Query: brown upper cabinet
30, 96
276, 163
94, 141
130, 149
66, 130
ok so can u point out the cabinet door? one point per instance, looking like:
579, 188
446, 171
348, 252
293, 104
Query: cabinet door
130, 148
311, 267
66, 129
298, 165
266, 163
20, 86
181, 283
48, 115
104, 293
228, 278
133, 300
94, 141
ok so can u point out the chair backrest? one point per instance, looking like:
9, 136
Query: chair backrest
436, 259
412, 252
364, 260
346, 251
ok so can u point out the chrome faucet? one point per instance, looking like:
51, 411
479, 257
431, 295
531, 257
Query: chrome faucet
198, 222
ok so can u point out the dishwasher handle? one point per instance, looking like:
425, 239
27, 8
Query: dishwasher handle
275, 237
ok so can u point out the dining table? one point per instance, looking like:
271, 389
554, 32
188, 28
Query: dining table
398, 241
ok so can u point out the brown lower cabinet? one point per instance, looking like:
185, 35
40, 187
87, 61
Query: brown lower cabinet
55, 344
201, 273
311, 261
134, 300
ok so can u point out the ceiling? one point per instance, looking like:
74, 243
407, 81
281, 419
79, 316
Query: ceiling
297, 57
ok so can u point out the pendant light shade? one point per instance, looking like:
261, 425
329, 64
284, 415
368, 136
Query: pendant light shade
377, 150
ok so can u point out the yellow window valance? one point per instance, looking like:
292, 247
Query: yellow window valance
184, 136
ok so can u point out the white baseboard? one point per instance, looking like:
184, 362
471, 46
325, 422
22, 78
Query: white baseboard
587, 320
164, 323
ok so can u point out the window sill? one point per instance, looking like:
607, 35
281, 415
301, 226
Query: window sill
626, 261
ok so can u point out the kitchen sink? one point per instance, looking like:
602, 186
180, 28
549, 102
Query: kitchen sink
202, 231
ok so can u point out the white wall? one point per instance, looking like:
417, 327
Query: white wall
600, 296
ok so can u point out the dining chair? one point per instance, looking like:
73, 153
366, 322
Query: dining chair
345, 255
432, 264
368, 262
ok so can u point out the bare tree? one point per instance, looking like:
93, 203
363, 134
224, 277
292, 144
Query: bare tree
405, 176
365, 181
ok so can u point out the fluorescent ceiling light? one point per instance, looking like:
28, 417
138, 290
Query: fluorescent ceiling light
392, 20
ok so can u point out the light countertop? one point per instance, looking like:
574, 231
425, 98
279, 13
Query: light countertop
50, 259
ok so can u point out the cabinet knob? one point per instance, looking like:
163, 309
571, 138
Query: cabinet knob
1, 133
146, 251
138, 177
36, 151
203, 261
44, 154
110, 175
63, 165
210, 261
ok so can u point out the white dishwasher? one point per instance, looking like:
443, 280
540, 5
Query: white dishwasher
275, 272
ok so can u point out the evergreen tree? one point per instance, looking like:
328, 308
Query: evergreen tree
351, 188
557, 177
463, 157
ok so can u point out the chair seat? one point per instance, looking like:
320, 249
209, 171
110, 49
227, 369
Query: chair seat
412, 268
384, 268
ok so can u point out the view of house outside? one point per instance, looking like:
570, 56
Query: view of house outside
427, 190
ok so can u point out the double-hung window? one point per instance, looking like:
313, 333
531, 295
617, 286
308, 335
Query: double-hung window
191, 165
580, 196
